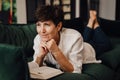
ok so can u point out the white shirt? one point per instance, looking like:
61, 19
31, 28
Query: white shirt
72, 45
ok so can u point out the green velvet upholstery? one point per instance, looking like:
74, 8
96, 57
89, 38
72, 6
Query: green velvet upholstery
73, 76
19, 35
117, 75
112, 60
110, 27
98, 71
12, 63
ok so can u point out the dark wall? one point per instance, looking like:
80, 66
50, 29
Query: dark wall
31, 6
84, 9
117, 9
4, 15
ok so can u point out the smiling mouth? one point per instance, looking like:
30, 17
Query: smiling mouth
44, 36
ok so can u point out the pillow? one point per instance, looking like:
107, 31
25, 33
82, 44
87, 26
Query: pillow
13, 65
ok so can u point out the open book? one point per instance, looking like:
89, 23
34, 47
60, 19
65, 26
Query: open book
43, 72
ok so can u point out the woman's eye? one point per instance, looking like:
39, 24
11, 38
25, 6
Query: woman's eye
37, 24
47, 25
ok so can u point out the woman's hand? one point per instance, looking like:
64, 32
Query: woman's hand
43, 49
52, 46
43, 52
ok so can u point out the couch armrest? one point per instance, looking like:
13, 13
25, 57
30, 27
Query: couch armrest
13, 65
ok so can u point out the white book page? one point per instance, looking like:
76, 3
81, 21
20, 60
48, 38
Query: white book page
42, 72
32, 65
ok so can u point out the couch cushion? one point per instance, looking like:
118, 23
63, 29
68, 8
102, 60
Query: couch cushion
13, 65
98, 71
112, 58
73, 76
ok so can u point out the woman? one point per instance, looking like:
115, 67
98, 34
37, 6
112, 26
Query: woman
60, 47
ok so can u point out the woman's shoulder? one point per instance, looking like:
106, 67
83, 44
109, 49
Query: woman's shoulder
37, 38
69, 31
70, 35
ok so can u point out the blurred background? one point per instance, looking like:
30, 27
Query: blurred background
22, 11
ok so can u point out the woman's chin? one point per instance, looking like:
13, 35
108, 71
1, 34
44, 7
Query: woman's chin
44, 39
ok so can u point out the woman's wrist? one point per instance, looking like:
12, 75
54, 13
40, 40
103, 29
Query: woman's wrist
56, 52
39, 60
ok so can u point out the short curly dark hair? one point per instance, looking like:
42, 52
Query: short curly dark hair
49, 12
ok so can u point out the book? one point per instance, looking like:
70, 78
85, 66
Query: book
43, 72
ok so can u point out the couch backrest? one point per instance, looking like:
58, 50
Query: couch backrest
110, 27
18, 35
76, 23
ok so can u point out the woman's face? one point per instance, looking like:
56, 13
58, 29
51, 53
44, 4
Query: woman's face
47, 30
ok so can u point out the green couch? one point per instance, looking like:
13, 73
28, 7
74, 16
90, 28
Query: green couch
16, 42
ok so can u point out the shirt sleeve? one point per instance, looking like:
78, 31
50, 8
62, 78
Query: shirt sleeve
36, 47
75, 55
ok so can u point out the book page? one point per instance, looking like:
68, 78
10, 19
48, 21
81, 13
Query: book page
42, 72
32, 65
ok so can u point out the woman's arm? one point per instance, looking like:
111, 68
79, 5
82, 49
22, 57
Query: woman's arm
64, 63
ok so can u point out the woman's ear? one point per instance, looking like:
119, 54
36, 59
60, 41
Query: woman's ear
59, 26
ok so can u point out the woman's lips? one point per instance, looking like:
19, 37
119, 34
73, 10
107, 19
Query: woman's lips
43, 35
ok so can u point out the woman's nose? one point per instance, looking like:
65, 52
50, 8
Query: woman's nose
43, 30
